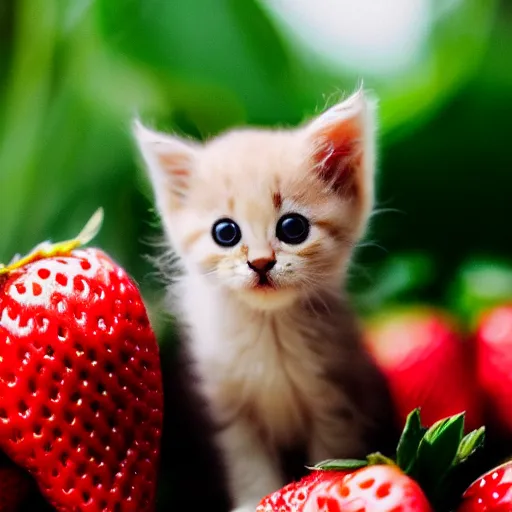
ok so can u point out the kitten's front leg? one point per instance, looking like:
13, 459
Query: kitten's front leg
252, 470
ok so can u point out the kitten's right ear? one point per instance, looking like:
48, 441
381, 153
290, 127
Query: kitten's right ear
170, 163
342, 146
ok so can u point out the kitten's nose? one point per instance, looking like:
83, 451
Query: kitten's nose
262, 265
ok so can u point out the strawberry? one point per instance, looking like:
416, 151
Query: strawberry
80, 384
294, 496
494, 363
491, 492
420, 477
380, 488
426, 364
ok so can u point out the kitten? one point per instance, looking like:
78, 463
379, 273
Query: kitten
264, 223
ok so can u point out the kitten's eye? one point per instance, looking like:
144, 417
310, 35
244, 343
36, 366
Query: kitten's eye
292, 228
226, 233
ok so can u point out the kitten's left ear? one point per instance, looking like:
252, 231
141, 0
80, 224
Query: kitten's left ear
342, 142
170, 162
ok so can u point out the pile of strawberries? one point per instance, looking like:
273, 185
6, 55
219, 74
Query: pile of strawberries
430, 363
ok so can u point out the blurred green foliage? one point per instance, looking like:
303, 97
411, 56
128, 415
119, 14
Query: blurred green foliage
73, 75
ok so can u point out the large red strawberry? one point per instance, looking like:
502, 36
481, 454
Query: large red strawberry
427, 364
491, 492
80, 384
494, 361
421, 477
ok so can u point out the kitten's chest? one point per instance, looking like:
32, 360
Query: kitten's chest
268, 370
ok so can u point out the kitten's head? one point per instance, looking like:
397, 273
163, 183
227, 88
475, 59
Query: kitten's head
270, 215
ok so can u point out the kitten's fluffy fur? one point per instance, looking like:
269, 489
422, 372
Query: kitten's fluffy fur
281, 367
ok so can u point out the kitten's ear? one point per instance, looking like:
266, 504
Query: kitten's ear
342, 142
170, 164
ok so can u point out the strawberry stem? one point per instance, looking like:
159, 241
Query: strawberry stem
92, 228
47, 249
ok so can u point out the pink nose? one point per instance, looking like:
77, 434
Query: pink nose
262, 265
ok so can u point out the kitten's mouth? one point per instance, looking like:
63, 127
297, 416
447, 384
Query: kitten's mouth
264, 283
267, 295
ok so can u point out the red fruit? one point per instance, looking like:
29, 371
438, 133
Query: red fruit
494, 363
293, 496
80, 384
379, 488
491, 492
426, 363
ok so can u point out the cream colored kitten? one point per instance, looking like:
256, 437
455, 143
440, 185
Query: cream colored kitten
264, 223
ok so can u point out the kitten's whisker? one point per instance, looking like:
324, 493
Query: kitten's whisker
359, 270
319, 302
382, 211
370, 243
210, 272
311, 307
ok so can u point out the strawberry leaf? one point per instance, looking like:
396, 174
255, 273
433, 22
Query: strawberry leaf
341, 464
464, 470
469, 444
437, 451
441, 441
409, 441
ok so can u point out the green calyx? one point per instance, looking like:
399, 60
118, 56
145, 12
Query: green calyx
432, 456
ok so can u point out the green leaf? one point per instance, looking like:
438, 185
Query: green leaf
233, 48
472, 442
439, 428
437, 451
409, 442
341, 464
464, 470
